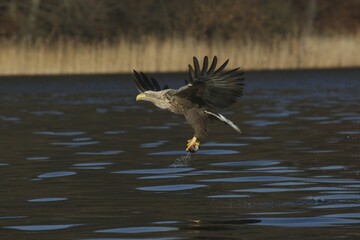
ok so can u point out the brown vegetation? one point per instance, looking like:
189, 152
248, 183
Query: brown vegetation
173, 54
91, 36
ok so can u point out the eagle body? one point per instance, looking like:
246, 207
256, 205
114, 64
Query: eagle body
206, 90
166, 99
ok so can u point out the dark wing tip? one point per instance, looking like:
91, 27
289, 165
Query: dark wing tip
191, 74
205, 66
196, 67
222, 67
213, 65
138, 82
155, 84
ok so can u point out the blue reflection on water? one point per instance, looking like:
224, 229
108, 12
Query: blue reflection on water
175, 187
56, 174
47, 199
42, 227
138, 230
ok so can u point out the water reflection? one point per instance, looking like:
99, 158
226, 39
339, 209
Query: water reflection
56, 174
38, 158
229, 196
74, 144
321, 221
59, 133
42, 227
39, 200
175, 187
138, 230
156, 171
203, 152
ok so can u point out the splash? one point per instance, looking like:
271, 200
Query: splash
183, 161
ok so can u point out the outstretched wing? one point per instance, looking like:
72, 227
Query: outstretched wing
213, 87
144, 83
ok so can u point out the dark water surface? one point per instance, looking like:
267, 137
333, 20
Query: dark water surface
81, 160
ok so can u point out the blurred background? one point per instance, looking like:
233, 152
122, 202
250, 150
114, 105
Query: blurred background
112, 36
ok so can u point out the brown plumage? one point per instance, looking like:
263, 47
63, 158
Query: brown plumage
207, 89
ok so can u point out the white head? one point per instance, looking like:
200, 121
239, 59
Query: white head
154, 97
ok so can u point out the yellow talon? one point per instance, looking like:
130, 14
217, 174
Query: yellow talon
192, 145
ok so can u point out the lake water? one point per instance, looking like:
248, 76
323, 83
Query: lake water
80, 159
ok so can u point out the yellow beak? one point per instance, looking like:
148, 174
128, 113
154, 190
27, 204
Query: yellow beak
140, 96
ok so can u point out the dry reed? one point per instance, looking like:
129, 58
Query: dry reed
173, 54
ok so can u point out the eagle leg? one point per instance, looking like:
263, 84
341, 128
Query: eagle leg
193, 145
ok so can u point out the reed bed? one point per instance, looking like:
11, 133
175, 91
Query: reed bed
173, 54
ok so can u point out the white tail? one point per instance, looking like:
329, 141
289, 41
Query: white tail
224, 119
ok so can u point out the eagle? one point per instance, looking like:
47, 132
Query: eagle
207, 89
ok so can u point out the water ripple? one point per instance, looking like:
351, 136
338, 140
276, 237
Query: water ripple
276, 114
248, 163
95, 164
201, 152
56, 174
9, 119
47, 199
42, 113
155, 171
329, 168
114, 132
74, 144
334, 197
228, 196
280, 179
138, 230
312, 222
262, 123
38, 158
315, 118
275, 170
335, 206
217, 144
113, 152
59, 133
42, 227
175, 187
348, 132
163, 176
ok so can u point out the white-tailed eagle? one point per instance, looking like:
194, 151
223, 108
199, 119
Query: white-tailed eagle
206, 91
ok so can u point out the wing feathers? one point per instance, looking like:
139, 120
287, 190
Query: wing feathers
191, 74
156, 84
222, 67
207, 86
205, 66
196, 66
213, 87
137, 78
144, 83
213, 65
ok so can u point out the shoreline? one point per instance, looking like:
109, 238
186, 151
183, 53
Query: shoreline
179, 73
